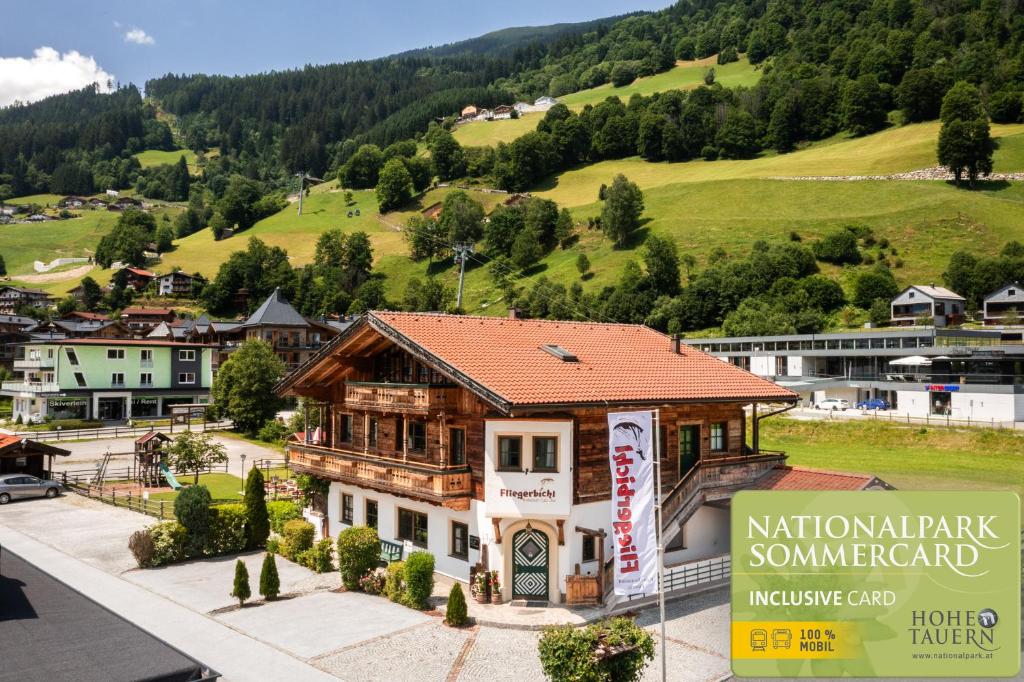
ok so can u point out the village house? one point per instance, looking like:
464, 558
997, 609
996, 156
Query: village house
544, 103
293, 337
138, 278
939, 305
501, 112
78, 328
1003, 304
72, 202
141, 320
12, 298
107, 379
176, 284
469, 111
13, 330
485, 440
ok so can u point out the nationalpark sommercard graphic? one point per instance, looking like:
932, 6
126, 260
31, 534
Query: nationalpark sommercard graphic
877, 584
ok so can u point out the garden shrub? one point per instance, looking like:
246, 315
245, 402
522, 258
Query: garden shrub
227, 530
419, 579
358, 554
270, 582
256, 515
272, 432
455, 613
567, 652
298, 537
241, 590
394, 581
168, 542
192, 509
321, 557
274, 545
142, 547
280, 512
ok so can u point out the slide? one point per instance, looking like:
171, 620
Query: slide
171, 480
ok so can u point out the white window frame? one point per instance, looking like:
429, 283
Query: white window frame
186, 376
186, 356
113, 379
146, 379
115, 354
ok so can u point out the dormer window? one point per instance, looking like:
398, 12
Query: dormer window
911, 295
1011, 292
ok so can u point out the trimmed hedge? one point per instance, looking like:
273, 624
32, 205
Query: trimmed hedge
319, 557
455, 613
227, 530
280, 512
298, 537
394, 581
419, 580
567, 652
168, 542
358, 554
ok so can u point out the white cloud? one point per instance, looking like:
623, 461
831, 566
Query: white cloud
138, 36
46, 73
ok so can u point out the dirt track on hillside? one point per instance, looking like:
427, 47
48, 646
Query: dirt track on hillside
63, 275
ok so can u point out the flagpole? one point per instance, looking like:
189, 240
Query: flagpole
656, 418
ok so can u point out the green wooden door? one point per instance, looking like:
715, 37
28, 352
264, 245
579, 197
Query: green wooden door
689, 448
530, 565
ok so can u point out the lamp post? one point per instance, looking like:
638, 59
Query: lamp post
243, 473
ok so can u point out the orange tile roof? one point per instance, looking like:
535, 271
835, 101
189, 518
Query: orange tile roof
6, 440
618, 363
801, 478
138, 310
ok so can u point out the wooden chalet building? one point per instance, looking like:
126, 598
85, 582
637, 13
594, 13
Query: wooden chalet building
470, 437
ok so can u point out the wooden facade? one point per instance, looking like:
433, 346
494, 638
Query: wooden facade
369, 422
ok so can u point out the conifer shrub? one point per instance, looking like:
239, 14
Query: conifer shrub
241, 590
455, 613
270, 583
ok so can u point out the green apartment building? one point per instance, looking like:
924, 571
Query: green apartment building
108, 379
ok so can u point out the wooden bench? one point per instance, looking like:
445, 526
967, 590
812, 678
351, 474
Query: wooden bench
390, 551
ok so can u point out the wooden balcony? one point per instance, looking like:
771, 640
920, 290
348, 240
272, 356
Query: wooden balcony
451, 487
420, 398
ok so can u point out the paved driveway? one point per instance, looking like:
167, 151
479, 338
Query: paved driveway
351, 636
85, 454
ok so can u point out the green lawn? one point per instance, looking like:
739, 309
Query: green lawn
490, 133
908, 457
221, 486
890, 151
684, 76
41, 199
23, 243
157, 157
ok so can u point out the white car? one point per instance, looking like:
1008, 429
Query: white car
834, 404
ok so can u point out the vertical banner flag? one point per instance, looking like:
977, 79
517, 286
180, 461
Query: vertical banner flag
634, 542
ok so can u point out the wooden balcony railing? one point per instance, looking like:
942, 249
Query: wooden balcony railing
401, 397
451, 488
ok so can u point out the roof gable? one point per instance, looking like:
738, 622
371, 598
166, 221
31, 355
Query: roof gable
276, 310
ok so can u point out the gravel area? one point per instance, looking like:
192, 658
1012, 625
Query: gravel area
424, 653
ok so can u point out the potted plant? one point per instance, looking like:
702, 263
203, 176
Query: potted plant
495, 588
480, 587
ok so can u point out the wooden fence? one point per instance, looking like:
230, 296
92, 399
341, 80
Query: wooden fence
120, 431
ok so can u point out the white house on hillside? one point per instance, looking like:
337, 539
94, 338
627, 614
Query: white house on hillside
1001, 301
916, 301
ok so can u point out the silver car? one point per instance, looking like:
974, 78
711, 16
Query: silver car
16, 486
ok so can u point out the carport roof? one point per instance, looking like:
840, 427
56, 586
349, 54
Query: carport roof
52, 632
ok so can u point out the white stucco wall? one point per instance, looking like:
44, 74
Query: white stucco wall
439, 521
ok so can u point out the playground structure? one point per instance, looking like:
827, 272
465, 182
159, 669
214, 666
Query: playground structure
147, 467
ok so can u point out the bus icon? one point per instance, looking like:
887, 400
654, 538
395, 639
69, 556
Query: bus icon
759, 639
781, 639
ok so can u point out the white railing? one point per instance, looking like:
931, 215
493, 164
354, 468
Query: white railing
30, 386
33, 363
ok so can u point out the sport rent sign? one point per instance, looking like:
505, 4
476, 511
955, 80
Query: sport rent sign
635, 545
876, 584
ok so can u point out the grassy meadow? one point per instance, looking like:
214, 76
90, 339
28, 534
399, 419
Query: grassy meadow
684, 76
908, 457
158, 157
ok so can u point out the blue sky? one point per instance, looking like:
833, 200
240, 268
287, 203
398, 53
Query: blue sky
140, 39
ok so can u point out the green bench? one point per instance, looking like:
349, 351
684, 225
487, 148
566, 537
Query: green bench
390, 551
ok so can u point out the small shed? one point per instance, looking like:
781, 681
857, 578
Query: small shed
151, 442
20, 455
